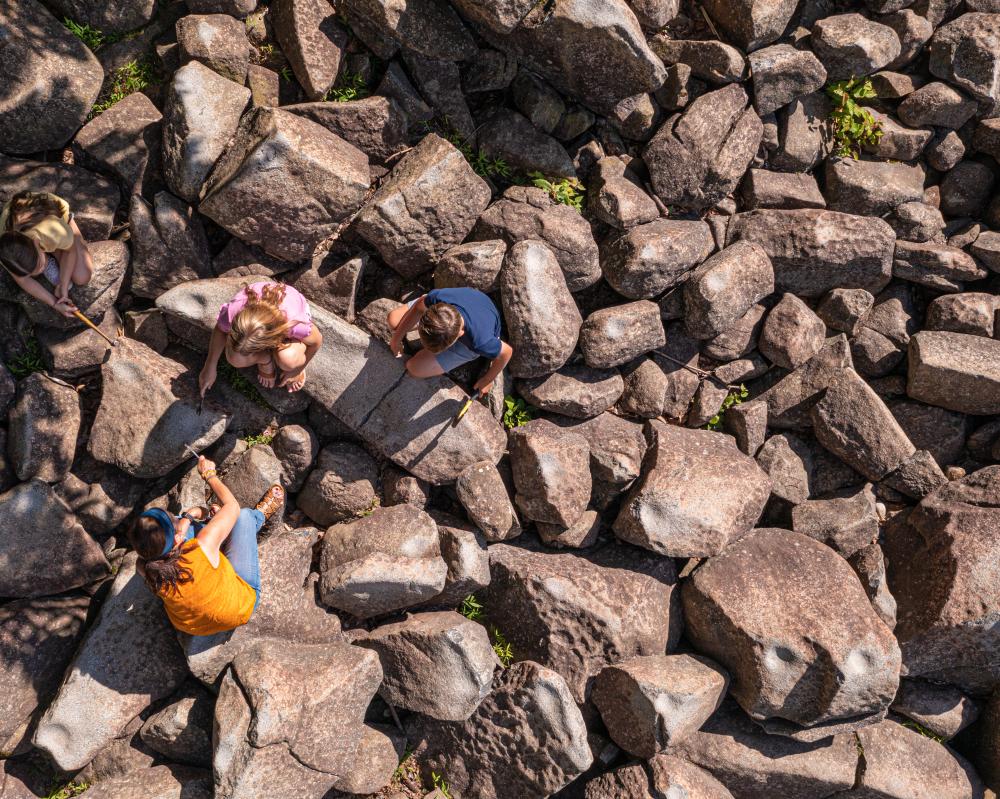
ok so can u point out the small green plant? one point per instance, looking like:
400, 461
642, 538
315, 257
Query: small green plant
286, 73
504, 652
516, 412
734, 397
916, 726
853, 125
376, 502
260, 438
471, 608
67, 791
92, 37
349, 86
439, 782
568, 191
128, 79
482, 164
238, 381
28, 362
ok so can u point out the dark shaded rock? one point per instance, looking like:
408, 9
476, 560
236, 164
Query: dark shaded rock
763, 188
869, 565
955, 371
468, 562
400, 487
428, 27
312, 41
649, 259
805, 134
296, 447
108, 17
751, 23
578, 612
314, 181
966, 189
540, 103
182, 731
800, 597
962, 52
846, 524
375, 125
697, 158
42, 428
738, 339
897, 143
698, 494
814, 251
581, 534
168, 245
511, 137
332, 282
428, 204
942, 709
440, 84
712, 61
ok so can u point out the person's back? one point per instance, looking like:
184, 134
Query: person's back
216, 598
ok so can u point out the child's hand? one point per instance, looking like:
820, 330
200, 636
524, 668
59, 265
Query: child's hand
65, 306
206, 379
483, 386
62, 291
205, 465
396, 345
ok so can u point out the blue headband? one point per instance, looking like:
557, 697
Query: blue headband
166, 522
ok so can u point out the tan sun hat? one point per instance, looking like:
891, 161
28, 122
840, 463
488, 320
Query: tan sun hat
51, 233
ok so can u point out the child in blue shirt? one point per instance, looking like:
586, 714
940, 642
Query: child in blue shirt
455, 326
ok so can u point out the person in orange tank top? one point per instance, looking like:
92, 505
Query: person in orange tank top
206, 572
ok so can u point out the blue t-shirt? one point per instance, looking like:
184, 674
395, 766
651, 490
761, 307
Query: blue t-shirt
482, 320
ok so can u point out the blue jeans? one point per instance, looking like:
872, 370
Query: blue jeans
241, 548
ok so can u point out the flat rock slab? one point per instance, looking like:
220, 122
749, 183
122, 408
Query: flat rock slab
157, 782
576, 613
806, 603
42, 428
526, 739
698, 493
43, 548
955, 371
147, 439
129, 659
357, 379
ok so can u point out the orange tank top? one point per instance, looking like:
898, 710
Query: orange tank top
215, 600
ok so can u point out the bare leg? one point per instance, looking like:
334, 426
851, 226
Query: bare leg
396, 315
424, 364
291, 360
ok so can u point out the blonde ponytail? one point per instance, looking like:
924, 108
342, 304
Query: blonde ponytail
261, 325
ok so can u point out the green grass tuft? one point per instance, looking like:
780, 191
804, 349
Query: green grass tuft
568, 191
349, 86
29, 362
516, 412
67, 791
471, 608
260, 438
504, 651
853, 125
128, 79
734, 397
441, 784
92, 37
238, 381
286, 73
916, 726
482, 164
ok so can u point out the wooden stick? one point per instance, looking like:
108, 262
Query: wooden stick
94, 327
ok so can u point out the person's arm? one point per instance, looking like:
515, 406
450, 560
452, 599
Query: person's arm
43, 295
206, 379
496, 367
213, 534
409, 321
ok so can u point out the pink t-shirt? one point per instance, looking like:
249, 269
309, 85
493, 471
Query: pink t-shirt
294, 306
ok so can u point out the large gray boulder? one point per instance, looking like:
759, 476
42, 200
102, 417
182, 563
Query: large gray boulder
274, 740
287, 611
428, 204
871, 188
551, 472
386, 561
438, 664
428, 27
698, 157
618, 334
357, 379
829, 663
38, 638
168, 245
42, 428
964, 53
751, 23
663, 775
376, 125
939, 558
698, 494
285, 183
720, 291
526, 212
814, 251
43, 548
576, 613
147, 439
955, 371
50, 89
851, 45
129, 659
527, 739
312, 41
219, 41
542, 318
343, 485
649, 259
203, 110
576, 390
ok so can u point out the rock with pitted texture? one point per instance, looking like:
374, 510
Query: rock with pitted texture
850, 45
429, 203
616, 197
814, 251
846, 523
272, 739
202, 111
526, 212
698, 157
698, 493
937, 104
576, 390
751, 23
830, 664
551, 472
388, 560
157, 782
944, 625
720, 291
129, 659
50, 89
942, 709
792, 333
438, 664
483, 494
343, 485
375, 125
955, 371
168, 244
43, 548
542, 318
526, 739
964, 53
313, 42
615, 335
664, 775
576, 613
871, 188
781, 73
649, 259
42, 428
218, 41
182, 731
938, 266
712, 61
475, 264
314, 180
649, 703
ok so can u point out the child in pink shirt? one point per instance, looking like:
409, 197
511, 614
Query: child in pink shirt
267, 325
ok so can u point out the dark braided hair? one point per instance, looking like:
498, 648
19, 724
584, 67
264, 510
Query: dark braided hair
162, 571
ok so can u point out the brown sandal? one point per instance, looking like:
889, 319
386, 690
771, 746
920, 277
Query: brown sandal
271, 501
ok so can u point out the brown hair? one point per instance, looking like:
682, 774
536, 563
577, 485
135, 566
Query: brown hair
18, 254
439, 327
261, 325
37, 205
162, 571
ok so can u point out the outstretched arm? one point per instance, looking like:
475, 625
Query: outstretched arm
496, 367
409, 321
209, 371
214, 533
43, 295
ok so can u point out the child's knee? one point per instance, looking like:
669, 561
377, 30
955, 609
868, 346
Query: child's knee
291, 357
